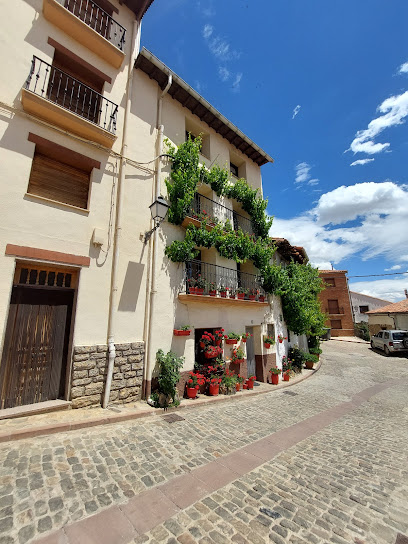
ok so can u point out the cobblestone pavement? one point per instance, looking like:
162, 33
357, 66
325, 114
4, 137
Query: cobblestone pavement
346, 483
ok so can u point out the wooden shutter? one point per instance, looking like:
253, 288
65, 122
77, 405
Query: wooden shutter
333, 306
55, 180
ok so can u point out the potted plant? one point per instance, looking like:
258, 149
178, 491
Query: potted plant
193, 384
232, 338
240, 381
286, 368
281, 338
169, 375
261, 298
212, 288
223, 291
250, 382
213, 385
232, 293
207, 339
275, 375
237, 356
252, 294
228, 382
245, 336
210, 352
241, 292
200, 285
268, 341
310, 360
191, 286
182, 331
219, 335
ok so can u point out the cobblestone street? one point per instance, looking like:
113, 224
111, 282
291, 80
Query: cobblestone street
341, 476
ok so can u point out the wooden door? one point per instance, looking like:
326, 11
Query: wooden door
250, 352
35, 348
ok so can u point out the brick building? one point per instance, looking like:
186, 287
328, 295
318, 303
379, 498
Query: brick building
335, 302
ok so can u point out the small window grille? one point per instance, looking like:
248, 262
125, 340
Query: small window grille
46, 277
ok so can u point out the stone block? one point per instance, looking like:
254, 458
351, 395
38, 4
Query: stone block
91, 400
84, 349
77, 392
139, 372
137, 345
132, 382
119, 384
92, 373
101, 347
94, 388
78, 374
125, 368
135, 358
81, 357
117, 376
83, 381
84, 365
130, 374
122, 347
98, 356
124, 393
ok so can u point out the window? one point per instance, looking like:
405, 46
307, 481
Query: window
335, 323
386, 335
234, 169
59, 174
329, 282
190, 135
271, 330
333, 306
193, 130
363, 309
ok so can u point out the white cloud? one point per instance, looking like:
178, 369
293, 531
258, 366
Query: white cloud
361, 161
303, 174
379, 211
296, 111
224, 73
207, 31
403, 69
394, 110
237, 81
391, 289
395, 267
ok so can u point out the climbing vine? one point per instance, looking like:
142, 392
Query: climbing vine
297, 285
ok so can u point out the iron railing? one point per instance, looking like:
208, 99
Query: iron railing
219, 277
335, 311
215, 212
97, 19
59, 87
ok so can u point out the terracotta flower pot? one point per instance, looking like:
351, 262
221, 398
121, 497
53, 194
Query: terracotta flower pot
223, 294
178, 332
213, 390
238, 386
231, 296
212, 293
202, 344
285, 377
275, 379
192, 290
237, 361
218, 342
191, 392
199, 291
267, 345
244, 386
261, 298
231, 341
250, 384
252, 297
309, 365
244, 340
210, 354
280, 341
241, 296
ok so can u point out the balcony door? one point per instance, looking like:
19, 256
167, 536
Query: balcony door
333, 306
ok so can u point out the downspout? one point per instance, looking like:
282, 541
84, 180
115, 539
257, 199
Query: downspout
119, 205
149, 348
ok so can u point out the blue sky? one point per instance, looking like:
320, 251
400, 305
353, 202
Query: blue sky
318, 85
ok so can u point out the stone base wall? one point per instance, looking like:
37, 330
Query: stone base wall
89, 369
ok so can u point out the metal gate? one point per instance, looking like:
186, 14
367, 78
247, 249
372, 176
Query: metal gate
35, 348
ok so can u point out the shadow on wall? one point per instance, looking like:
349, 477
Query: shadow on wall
131, 287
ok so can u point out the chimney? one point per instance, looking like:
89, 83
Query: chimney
406, 293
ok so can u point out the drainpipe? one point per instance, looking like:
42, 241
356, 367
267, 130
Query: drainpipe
113, 302
149, 348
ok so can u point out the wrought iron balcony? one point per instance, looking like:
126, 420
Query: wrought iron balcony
99, 20
58, 87
213, 276
203, 206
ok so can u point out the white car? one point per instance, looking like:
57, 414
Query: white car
390, 341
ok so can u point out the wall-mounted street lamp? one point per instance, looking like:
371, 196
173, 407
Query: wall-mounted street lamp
159, 210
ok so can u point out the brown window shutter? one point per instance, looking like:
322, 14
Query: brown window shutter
58, 181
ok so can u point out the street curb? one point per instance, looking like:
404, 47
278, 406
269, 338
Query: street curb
44, 430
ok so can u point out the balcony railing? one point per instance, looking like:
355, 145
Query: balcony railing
204, 206
64, 90
335, 311
220, 277
97, 19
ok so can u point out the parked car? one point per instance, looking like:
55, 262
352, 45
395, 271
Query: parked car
390, 341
